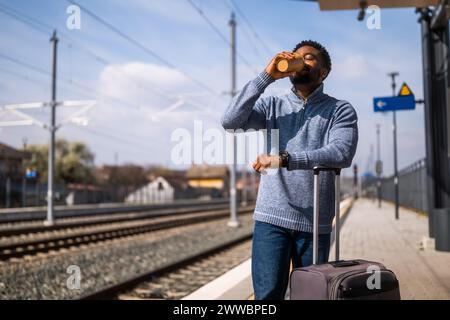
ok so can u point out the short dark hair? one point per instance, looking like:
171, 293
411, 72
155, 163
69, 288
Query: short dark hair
323, 52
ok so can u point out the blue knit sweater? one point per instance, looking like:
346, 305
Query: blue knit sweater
320, 130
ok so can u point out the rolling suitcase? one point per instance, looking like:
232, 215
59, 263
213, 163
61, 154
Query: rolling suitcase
341, 279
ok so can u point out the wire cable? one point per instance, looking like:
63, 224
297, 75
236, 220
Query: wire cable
217, 31
141, 46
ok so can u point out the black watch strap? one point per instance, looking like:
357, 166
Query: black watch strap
284, 155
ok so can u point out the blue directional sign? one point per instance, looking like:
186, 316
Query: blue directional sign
31, 174
383, 104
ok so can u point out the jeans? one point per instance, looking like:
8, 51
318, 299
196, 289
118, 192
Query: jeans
272, 250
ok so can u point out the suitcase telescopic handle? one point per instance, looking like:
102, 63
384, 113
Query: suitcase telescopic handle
337, 201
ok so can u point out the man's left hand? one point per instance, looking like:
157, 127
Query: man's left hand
265, 161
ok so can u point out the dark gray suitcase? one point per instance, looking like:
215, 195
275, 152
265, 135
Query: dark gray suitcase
341, 279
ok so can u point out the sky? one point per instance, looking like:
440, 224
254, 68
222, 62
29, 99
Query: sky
177, 71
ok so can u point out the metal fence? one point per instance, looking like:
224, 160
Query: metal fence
16, 193
412, 187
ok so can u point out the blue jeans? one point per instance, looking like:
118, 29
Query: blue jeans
272, 250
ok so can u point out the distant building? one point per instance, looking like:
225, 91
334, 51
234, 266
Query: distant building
79, 193
11, 162
209, 181
119, 181
177, 179
12, 172
157, 191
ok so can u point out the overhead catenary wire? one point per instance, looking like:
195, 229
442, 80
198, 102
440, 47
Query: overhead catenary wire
141, 46
24, 64
247, 35
136, 138
22, 76
115, 137
132, 146
219, 33
247, 21
142, 148
43, 28
46, 29
28, 21
42, 71
74, 83
111, 136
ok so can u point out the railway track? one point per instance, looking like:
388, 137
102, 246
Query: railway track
126, 289
169, 263
85, 235
19, 215
180, 278
11, 229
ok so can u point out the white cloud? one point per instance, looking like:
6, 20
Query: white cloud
118, 76
144, 103
145, 89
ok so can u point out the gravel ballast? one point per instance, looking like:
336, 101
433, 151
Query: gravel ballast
110, 262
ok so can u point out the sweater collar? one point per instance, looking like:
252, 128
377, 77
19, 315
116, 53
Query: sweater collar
314, 96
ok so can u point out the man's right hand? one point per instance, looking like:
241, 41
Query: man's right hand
272, 70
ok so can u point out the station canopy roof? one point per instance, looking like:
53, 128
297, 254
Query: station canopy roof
356, 4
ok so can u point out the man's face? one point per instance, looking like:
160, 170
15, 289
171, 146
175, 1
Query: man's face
313, 72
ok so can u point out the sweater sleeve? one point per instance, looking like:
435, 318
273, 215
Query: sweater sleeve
246, 110
339, 152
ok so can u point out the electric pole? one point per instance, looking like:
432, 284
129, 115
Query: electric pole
378, 167
244, 186
394, 129
233, 203
51, 150
355, 181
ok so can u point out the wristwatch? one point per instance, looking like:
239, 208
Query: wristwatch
284, 156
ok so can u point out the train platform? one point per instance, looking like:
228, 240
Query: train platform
403, 245
369, 233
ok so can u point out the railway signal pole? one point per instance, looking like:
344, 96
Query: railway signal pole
394, 129
378, 167
51, 150
52, 127
233, 201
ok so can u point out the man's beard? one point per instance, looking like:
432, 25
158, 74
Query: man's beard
303, 77
300, 79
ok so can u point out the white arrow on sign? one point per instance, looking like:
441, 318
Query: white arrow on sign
381, 104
